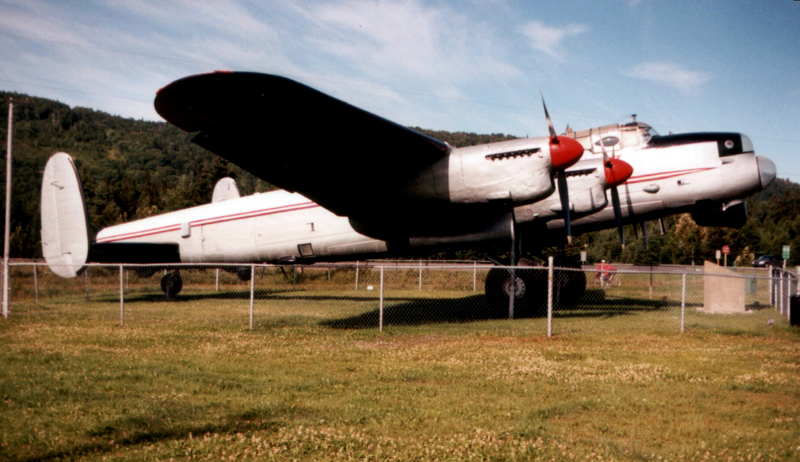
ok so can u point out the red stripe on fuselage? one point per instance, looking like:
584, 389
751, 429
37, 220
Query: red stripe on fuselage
664, 175
209, 221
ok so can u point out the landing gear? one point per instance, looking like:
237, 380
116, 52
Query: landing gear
520, 292
569, 284
243, 273
171, 284
529, 287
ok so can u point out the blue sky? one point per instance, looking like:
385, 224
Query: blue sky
460, 66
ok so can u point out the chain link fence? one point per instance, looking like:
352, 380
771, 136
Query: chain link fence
378, 295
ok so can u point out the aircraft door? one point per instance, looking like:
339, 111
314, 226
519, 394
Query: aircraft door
191, 242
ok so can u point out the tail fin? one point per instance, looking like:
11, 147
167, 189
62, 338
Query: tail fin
65, 228
224, 190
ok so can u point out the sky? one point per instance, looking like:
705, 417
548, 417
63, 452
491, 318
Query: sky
472, 65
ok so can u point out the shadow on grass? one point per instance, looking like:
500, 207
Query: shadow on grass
420, 311
278, 295
595, 304
167, 424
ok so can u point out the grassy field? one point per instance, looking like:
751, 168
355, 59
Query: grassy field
189, 380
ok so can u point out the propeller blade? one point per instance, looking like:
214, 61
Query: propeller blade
617, 172
618, 214
564, 195
553, 136
644, 233
564, 152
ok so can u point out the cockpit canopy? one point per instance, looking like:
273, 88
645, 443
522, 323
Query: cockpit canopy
614, 137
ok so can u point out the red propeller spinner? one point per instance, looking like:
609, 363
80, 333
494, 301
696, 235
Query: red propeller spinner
564, 152
617, 172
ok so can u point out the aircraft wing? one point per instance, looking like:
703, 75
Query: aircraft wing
299, 139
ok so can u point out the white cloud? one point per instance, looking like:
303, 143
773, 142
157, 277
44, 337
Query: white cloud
399, 40
548, 39
671, 74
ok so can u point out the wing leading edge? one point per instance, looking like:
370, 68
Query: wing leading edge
297, 138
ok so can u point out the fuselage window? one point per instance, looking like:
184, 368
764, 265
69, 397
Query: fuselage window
305, 250
608, 141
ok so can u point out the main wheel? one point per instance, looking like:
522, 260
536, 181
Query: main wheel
171, 284
569, 285
243, 273
529, 287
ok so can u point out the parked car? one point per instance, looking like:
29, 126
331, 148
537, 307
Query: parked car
767, 261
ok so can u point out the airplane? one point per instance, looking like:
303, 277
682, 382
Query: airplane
356, 186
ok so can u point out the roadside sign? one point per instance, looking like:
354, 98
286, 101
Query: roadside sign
583, 256
786, 252
726, 250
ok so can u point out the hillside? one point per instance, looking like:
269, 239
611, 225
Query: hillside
132, 169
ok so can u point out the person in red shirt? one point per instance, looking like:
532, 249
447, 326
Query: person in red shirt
604, 274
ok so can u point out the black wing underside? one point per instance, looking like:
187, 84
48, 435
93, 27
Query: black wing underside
297, 138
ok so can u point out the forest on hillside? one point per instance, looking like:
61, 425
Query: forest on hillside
133, 169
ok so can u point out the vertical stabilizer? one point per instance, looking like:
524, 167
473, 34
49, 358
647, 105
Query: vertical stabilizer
225, 189
65, 229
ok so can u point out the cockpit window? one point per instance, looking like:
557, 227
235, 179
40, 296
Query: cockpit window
648, 132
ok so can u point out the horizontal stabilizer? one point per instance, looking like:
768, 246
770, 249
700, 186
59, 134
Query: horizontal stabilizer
65, 229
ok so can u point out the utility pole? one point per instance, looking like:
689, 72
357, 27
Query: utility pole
6, 243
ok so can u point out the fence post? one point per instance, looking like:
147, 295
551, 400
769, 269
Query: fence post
786, 292
772, 288
380, 306
420, 275
549, 296
36, 281
252, 292
121, 296
475, 276
683, 304
216, 283
356, 275
512, 291
86, 278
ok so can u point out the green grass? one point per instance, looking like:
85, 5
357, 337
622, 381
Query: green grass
316, 380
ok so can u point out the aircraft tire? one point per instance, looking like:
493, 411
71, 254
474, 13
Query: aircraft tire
568, 286
171, 285
528, 286
243, 273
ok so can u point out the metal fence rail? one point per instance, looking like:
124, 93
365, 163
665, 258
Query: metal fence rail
379, 295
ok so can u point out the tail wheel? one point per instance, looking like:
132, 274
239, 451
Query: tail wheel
171, 284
